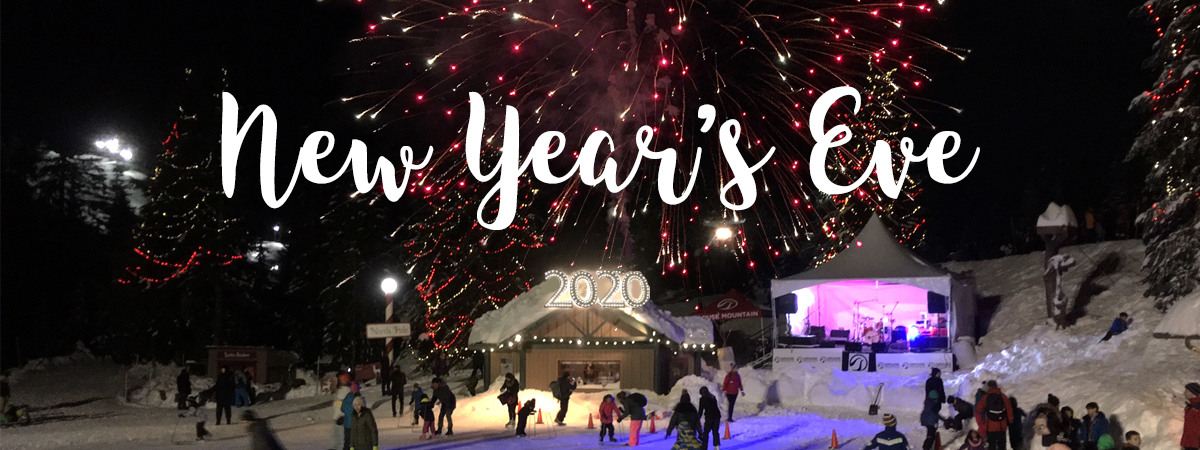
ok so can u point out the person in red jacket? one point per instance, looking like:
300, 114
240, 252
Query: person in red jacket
1191, 418
731, 386
608, 410
993, 413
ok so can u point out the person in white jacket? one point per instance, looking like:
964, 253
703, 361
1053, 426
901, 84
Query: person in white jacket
338, 416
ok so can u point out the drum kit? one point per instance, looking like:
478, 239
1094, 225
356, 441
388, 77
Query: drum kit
874, 330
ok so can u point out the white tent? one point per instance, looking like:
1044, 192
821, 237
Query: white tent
877, 255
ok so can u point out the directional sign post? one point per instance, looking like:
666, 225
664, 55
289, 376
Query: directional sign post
388, 330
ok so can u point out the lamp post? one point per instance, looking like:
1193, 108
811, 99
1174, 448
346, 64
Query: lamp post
389, 287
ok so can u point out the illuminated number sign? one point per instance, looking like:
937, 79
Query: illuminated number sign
619, 294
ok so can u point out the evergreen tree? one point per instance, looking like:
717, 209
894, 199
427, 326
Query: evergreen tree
1170, 146
190, 235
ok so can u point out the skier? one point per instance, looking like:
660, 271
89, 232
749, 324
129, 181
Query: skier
732, 385
683, 407
339, 416
973, 442
710, 412
1095, 426
963, 411
1191, 418
196, 409
442, 394
889, 438
508, 397
398, 380
417, 395
1016, 436
993, 414
523, 416
565, 386
348, 414
1133, 441
608, 411
934, 388
183, 388
224, 394
241, 383
365, 432
1119, 325
633, 406
424, 408
261, 436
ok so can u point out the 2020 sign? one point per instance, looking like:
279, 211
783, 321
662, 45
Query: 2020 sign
621, 282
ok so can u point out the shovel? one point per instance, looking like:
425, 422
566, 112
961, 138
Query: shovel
874, 409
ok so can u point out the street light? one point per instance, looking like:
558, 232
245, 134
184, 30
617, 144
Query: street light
389, 286
127, 154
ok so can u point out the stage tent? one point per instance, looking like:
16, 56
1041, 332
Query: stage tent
874, 275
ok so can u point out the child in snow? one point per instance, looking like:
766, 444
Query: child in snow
1119, 325
424, 409
417, 395
523, 416
1133, 440
608, 411
889, 438
974, 442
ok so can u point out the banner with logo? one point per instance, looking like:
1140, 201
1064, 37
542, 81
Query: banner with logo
819, 358
913, 363
890, 363
858, 362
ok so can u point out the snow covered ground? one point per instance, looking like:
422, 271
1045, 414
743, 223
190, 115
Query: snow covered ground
1137, 380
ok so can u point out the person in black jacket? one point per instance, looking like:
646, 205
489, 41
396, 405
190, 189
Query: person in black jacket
508, 397
183, 386
442, 394
223, 393
934, 388
523, 415
385, 375
684, 410
710, 413
566, 385
962, 411
398, 380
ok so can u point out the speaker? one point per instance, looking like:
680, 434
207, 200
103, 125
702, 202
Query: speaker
828, 344
937, 303
818, 332
854, 347
899, 334
839, 335
797, 341
785, 304
879, 347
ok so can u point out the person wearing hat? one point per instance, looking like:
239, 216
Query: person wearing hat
993, 414
348, 414
261, 436
889, 438
934, 388
339, 415
1191, 418
365, 433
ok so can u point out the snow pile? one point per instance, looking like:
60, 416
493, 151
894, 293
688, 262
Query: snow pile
81, 356
500, 325
310, 388
1183, 319
159, 388
1057, 216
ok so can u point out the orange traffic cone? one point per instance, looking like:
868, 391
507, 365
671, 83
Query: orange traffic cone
937, 443
539, 422
652, 417
592, 425
726, 431
834, 443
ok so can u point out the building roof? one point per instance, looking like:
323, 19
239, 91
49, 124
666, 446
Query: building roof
875, 254
528, 309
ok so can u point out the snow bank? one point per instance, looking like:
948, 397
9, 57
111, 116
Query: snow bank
500, 325
158, 389
1183, 319
310, 388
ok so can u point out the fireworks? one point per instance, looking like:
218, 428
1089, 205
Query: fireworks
581, 65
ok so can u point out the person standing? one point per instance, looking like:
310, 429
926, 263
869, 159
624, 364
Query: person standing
523, 416
364, 434
682, 411
934, 388
424, 409
183, 388
566, 385
385, 375
889, 438
442, 394
732, 385
398, 380
196, 410
1191, 418
608, 412
930, 419
224, 393
993, 414
241, 384
472, 384
440, 368
1095, 426
339, 415
1071, 428
633, 406
348, 414
508, 396
1133, 440
417, 395
710, 414
1016, 437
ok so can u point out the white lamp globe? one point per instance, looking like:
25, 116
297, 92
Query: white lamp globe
388, 285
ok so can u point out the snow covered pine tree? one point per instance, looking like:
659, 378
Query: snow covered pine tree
1170, 145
